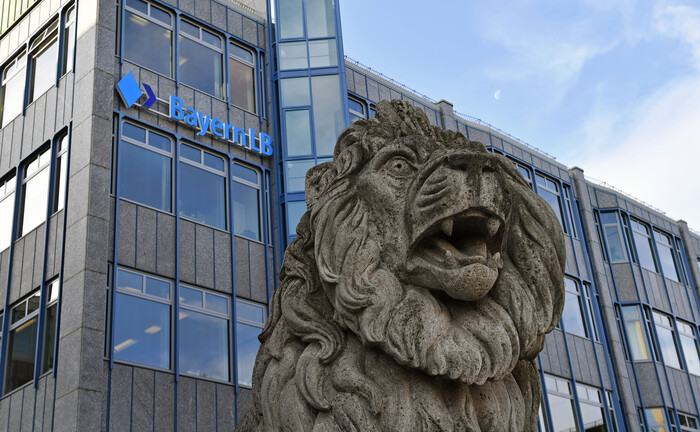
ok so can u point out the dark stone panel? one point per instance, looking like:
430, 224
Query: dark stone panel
648, 384
37, 419
258, 275
4, 263
6, 161
244, 401
39, 112
218, 15
16, 270
565, 370
51, 247
38, 269
19, 149
4, 413
222, 261
146, 237
242, 267
250, 31
126, 252
681, 391
16, 410
205, 256
605, 373
105, 394
187, 252
165, 260
27, 281
625, 282
61, 99
384, 93
142, 404
202, 9
120, 398
372, 90
361, 85
165, 402
659, 297
27, 419
186, 404
48, 403
350, 79
50, 113
26, 125
206, 405
225, 413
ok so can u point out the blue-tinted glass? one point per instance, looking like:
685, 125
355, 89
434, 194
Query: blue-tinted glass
656, 420
200, 67
296, 174
291, 23
246, 211
612, 237
21, 350
244, 173
189, 29
211, 38
690, 351
524, 171
139, 5
553, 201
202, 196
44, 61
141, 331
241, 53
319, 161
250, 312
539, 180
562, 412
242, 84
213, 162
190, 153
7, 208
247, 345
158, 288
329, 119
573, 316
644, 254
636, 336
668, 263
161, 15
159, 141
593, 418
608, 218
190, 297
293, 55
157, 53
295, 210
134, 132
667, 345
204, 345
144, 176
320, 21
323, 53
217, 303
295, 92
129, 281
298, 132
356, 106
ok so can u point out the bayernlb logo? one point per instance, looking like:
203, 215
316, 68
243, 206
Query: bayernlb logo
130, 91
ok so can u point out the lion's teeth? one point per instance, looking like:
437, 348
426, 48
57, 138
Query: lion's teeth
447, 225
492, 226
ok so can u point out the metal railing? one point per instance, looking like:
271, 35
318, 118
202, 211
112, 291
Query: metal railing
394, 82
616, 190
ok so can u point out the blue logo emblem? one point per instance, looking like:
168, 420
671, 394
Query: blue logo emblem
130, 91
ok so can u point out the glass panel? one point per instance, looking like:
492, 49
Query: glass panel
690, 352
214, 162
635, 333
45, 62
158, 288
323, 53
656, 421
202, 196
667, 345
247, 345
200, 67
241, 53
668, 263
141, 331
157, 53
573, 316
129, 281
646, 259
216, 303
204, 345
614, 241
242, 82
190, 29
139, 5
250, 312
13, 90
35, 201
211, 38
144, 176
553, 201
293, 55
593, 418
134, 132
298, 132
7, 209
161, 15
294, 92
291, 23
319, 18
191, 297
69, 42
159, 141
296, 174
295, 210
61, 175
246, 211
245, 173
190, 153
562, 412
329, 120
49, 339
21, 350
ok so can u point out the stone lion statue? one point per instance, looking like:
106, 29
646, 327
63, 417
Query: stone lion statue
418, 292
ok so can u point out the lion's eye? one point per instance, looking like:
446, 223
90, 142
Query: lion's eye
399, 167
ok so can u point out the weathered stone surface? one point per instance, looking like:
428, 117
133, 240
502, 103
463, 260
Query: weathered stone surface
424, 278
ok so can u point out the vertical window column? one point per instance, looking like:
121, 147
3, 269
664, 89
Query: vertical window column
146, 22
636, 335
241, 66
642, 241
12, 95
664, 248
21, 343
613, 237
689, 343
666, 340
7, 209
246, 202
44, 57
69, 40
572, 317
200, 59
561, 404
35, 192
549, 190
250, 320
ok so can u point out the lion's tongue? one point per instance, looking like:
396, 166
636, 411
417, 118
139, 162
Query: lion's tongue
447, 253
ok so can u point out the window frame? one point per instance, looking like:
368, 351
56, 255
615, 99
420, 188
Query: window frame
62, 144
42, 158
642, 326
19, 325
203, 166
577, 292
557, 192
620, 234
256, 84
604, 398
665, 322
669, 246
356, 114
69, 43
150, 19
637, 234
201, 41
8, 191
239, 320
15, 66
689, 331
39, 45
552, 385
258, 187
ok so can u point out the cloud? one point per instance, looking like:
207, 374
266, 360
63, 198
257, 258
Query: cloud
497, 94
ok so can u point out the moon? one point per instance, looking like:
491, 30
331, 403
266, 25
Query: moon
497, 95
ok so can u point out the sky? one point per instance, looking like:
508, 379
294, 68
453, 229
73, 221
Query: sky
611, 86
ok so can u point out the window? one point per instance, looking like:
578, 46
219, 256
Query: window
69, 40
44, 57
593, 409
145, 22
356, 109
291, 20
666, 340
525, 171
295, 92
329, 120
293, 55
295, 210
698, 263
202, 179
688, 423
572, 318
50, 326
61, 173
590, 309
200, 59
664, 248
567, 199
636, 337
549, 190
298, 132
21, 342
204, 337
7, 210
145, 167
689, 344
320, 21
561, 404
642, 241
142, 319
655, 419
35, 192
241, 65
613, 237
323, 53
250, 320
246, 202
12, 98
296, 174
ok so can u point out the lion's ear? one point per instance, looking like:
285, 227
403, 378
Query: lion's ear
318, 179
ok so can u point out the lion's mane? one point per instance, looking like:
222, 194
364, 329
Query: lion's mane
340, 315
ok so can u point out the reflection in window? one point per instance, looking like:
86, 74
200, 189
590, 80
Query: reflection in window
655, 419
50, 326
666, 255
200, 59
293, 55
7, 210
204, 323
298, 132
142, 320
250, 320
12, 97
323, 53
572, 318
246, 202
60, 174
295, 92
356, 109
613, 236
688, 423
569, 207
44, 57
35, 192
241, 65
145, 22
21, 342
689, 343
549, 190
525, 171
642, 241
145, 167
320, 21
329, 119
666, 340
587, 290
593, 409
561, 405
295, 210
636, 336
296, 174
202, 180
69, 40
291, 21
